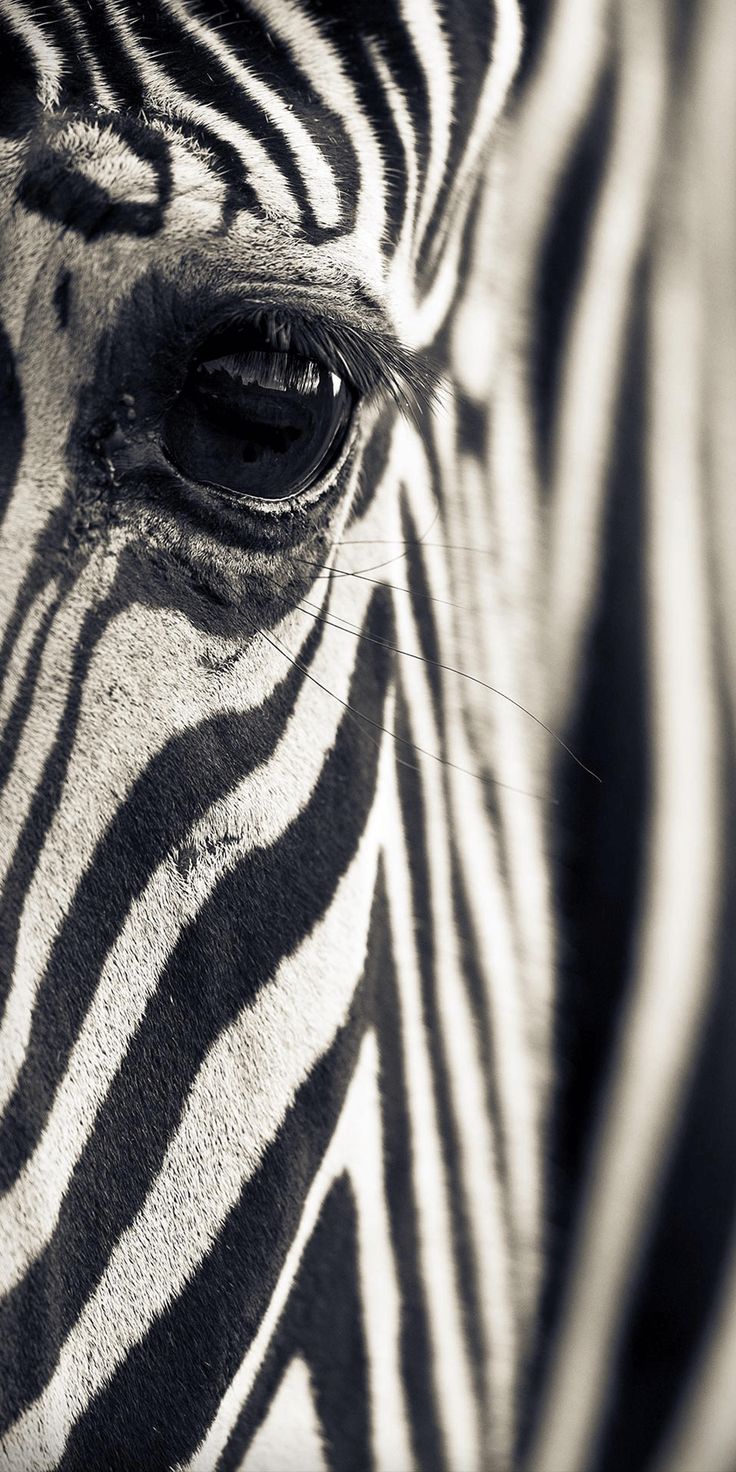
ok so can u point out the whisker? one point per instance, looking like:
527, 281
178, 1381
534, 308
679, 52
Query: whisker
405, 542
451, 669
361, 715
374, 567
345, 572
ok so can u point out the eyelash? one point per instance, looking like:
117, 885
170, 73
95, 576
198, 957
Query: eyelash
372, 363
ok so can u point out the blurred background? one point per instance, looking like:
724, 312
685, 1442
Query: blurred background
622, 309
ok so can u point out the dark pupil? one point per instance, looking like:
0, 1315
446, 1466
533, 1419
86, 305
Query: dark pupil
258, 422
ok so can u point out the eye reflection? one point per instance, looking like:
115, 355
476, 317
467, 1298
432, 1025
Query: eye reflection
257, 422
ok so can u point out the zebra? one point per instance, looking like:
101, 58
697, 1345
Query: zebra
286, 630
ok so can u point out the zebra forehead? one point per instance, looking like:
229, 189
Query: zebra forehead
337, 123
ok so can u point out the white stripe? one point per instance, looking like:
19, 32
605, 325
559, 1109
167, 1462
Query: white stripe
541, 138
499, 641
379, 1289
518, 999
396, 102
513, 759
714, 131
518, 995
41, 727
554, 107
418, 320
290, 1438
47, 57
520, 1061
703, 1433
476, 316
103, 94
41, 482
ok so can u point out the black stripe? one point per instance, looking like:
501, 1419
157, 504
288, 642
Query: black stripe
535, 15
62, 298
249, 40
12, 421
239, 193
424, 611
477, 993
15, 723
373, 463
54, 189
76, 80
323, 1322
347, 29
44, 567
19, 84
562, 259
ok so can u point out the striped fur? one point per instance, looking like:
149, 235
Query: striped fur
263, 1181
322, 1145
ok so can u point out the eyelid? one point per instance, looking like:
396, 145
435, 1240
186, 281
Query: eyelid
370, 360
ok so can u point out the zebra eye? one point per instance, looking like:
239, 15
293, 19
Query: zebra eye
256, 422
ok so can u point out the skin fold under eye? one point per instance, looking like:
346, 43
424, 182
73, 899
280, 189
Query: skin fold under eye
257, 422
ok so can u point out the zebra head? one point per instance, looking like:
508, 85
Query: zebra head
233, 342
